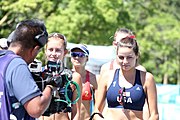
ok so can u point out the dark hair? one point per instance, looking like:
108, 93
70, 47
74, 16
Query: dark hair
29, 33
60, 36
129, 42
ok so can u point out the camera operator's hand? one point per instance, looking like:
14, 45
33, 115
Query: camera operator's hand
55, 81
68, 73
52, 87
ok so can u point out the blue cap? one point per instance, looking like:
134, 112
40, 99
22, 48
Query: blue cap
81, 47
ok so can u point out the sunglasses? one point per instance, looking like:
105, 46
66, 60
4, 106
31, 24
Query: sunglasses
78, 54
61, 36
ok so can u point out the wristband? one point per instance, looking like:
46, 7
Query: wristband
95, 114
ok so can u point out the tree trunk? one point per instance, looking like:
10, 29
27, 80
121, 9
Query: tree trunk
165, 78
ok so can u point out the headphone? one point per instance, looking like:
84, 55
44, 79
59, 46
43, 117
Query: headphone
41, 39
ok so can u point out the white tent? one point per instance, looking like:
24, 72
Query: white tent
98, 55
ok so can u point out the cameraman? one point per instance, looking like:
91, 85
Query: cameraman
26, 99
55, 50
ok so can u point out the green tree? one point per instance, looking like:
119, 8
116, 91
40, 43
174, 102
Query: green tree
155, 23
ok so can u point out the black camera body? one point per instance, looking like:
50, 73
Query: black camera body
56, 74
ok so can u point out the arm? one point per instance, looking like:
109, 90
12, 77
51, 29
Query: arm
101, 93
76, 107
151, 96
93, 82
97, 79
37, 106
26, 90
105, 67
141, 68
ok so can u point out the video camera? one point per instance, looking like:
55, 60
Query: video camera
61, 77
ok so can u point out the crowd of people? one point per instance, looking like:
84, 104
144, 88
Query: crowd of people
124, 89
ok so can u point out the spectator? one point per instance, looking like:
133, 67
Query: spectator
79, 58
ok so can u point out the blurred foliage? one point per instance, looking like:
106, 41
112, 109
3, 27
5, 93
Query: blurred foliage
155, 23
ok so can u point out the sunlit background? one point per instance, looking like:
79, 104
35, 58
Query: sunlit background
155, 23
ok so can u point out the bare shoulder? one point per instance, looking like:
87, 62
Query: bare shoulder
105, 67
149, 76
76, 74
93, 80
146, 77
92, 76
149, 79
107, 77
76, 77
141, 68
